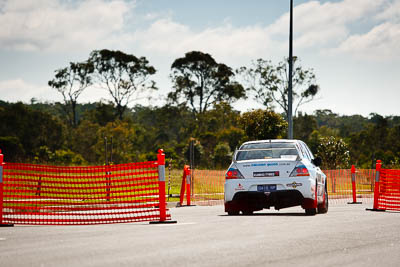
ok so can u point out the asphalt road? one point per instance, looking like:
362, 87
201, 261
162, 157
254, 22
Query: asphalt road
204, 236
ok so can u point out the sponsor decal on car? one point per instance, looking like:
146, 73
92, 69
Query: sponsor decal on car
258, 164
239, 187
294, 185
266, 174
313, 189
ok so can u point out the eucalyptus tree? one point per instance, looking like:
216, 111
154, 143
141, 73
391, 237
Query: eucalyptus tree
71, 81
123, 75
200, 81
269, 83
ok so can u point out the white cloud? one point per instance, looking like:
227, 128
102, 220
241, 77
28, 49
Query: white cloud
92, 24
327, 28
391, 11
166, 36
381, 43
234, 46
57, 25
20, 90
319, 25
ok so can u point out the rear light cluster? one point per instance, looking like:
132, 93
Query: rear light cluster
300, 170
233, 173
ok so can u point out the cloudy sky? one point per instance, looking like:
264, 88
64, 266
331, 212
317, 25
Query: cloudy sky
352, 45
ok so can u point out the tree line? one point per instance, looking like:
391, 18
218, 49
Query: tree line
198, 109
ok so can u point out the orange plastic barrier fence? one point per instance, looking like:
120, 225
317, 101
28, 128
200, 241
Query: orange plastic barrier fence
340, 184
51, 195
209, 185
389, 190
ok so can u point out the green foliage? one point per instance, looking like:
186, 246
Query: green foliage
34, 133
198, 152
123, 140
222, 156
67, 157
263, 124
12, 147
43, 155
233, 136
304, 125
101, 114
345, 125
61, 157
32, 128
334, 153
314, 140
200, 81
84, 141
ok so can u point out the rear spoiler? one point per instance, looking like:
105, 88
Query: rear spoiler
236, 150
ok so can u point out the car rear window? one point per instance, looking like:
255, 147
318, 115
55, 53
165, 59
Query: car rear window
266, 151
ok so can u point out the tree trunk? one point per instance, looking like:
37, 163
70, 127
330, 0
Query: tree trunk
74, 119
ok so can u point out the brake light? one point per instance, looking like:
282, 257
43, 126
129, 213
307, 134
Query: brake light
233, 173
300, 170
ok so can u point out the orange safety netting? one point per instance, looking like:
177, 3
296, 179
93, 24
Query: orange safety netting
208, 185
39, 194
389, 190
340, 187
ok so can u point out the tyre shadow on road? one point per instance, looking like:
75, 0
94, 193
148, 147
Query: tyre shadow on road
289, 214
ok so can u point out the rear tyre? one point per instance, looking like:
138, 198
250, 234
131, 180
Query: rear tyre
247, 212
311, 212
233, 212
323, 207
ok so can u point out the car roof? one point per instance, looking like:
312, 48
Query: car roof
273, 141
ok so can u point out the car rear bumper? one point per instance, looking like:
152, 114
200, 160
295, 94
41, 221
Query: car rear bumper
253, 201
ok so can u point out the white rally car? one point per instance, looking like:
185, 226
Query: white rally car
275, 173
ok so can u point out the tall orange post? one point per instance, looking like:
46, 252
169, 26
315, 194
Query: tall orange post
188, 187
186, 168
2, 193
161, 188
353, 185
161, 184
376, 189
